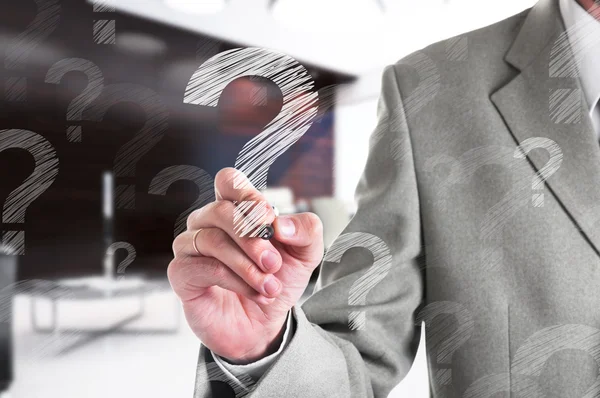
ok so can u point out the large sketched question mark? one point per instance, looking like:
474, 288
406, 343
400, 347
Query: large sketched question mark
204, 181
257, 155
83, 100
155, 127
443, 339
110, 253
382, 263
463, 169
43, 175
531, 357
45, 22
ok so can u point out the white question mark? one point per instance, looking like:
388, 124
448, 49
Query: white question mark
104, 29
205, 183
131, 254
257, 155
44, 174
531, 357
89, 94
443, 342
556, 157
42, 26
382, 263
151, 133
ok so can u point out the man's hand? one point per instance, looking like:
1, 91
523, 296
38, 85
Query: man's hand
237, 292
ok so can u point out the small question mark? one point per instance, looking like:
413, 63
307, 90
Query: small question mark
110, 252
89, 94
298, 111
443, 342
531, 357
382, 263
42, 26
44, 174
104, 29
151, 133
205, 183
556, 157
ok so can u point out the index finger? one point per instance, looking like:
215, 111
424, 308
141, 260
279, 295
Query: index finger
233, 185
252, 212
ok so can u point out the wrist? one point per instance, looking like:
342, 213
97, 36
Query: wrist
269, 347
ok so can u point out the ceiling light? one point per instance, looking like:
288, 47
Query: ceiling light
329, 15
197, 6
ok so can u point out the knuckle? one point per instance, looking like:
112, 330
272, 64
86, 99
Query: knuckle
254, 248
313, 225
223, 209
251, 273
192, 218
173, 270
225, 177
213, 238
178, 244
215, 269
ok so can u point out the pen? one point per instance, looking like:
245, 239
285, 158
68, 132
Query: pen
268, 231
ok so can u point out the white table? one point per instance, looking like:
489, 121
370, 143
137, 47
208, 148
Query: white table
94, 288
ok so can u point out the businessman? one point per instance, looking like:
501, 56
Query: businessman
503, 269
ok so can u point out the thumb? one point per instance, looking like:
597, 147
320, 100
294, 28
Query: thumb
303, 235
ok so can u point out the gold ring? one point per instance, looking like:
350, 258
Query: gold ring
194, 241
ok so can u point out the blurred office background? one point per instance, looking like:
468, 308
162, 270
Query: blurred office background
87, 309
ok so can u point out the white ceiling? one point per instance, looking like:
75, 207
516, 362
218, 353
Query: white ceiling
408, 25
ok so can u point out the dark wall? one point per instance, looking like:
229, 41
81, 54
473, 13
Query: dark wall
64, 226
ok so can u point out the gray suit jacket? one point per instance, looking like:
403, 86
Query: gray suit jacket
455, 229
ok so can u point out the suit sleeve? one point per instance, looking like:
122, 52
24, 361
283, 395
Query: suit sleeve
255, 369
328, 354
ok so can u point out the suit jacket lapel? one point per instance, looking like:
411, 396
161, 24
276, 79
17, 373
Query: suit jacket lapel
545, 100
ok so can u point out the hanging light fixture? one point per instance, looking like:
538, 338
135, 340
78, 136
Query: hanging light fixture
197, 6
329, 15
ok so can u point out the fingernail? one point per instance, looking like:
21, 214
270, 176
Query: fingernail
271, 285
286, 226
269, 260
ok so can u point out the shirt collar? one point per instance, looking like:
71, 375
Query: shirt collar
583, 31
